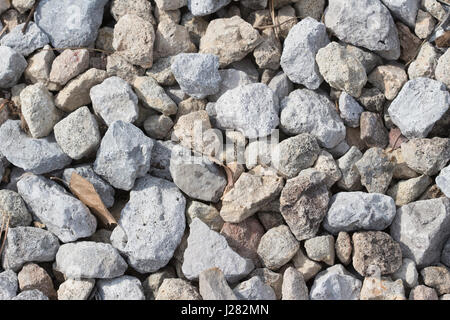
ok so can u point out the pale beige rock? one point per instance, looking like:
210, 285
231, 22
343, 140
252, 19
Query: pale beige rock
195, 25
422, 292
425, 63
407, 191
68, 65
268, 53
75, 289
294, 286
222, 32
116, 65
343, 247
434, 8
287, 19
306, 266
172, 15
425, 24
32, 277
39, 67
273, 279
437, 277
321, 249
190, 105
141, 8
177, 289
326, 164
172, 39
76, 93
401, 169
23, 5
375, 288
153, 96
207, 213
389, 79
161, 72
154, 281
133, 40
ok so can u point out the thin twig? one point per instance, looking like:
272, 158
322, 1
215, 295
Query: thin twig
3, 30
30, 15
278, 25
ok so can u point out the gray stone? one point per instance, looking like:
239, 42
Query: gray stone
31, 295
124, 155
443, 181
25, 43
281, 85
231, 78
425, 24
389, 79
443, 69
64, 215
277, 247
425, 63
28, 244
121, 288
351, 211
161, 71
418, 106
376, 170
197, 74
153, 96
350, 110
85, 259
206, 7
321, 249
294, 286
350, 175
12, 65
207, 213
368, 59
300, 48
422, 292
254, 289
273, 279
372, 99
104, 189
160, 162
207, 249
421, 228
170, 4
426, 156
13, 206
158, 126
70, 23
407, 273
8, 285
197, 176
114, 100
437, 277
405, 10
78, 134
365, 23
343, 248
73, 289
151, 224
152, 283
213, 286
335, 283
326, 164
304, 203
305, 111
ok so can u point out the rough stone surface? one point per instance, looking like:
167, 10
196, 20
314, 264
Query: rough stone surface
213, 286
205, 7
25, 43
124, 155
376, 288
425, 63
407, 191
300, 48
12, 65
177, 289
326, 164
373, 132
273, 279
73, 289
321, 249
335, 283
230, 79
366, 23
13, 206
389, 79
33, 277
421, 228
171, 39
425, 24
350, 110
343, 247
351, 180
422, 292
443, 70
405, 10
351, 211
443, 181
207, 213
254, 289
149, 241
68, 65
31, 295
121, 288
375, 170
294, 286
153, 96
8, 285
407, 273
418, 106
85, 259
437, 278
28, 244
305, 111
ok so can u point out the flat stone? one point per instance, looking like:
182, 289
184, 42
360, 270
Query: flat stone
376, 288
300, 48
254, 289
437, 278
213, 286
277, 247
409, 43
294, 286
250, 193
351, 211
8, 285
376, 170
443, 181
33, 277
121, 288
78, 134
221, 32
85, 259
73, 289
304, 203
124, 155
13, 206
407, 191
407, 273
321, 249
63, 214
349, 21
177, 289
25, 43
305, 111
350, 110
421, 228
430, 101
340, 69
207, 249
70, 23
28, 244
251, 109
153, 96
150, 241
389, 79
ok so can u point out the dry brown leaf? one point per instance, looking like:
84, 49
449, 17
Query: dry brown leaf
229, 173
85, 192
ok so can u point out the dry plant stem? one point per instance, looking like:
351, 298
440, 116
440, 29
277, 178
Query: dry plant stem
30, 16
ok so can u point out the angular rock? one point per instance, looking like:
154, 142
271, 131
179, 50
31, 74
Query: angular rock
207, 213
33, 277
207, 249
421, 228
422, 292
351, 211
171, 39
376, 288
321, 249
152, 283
443, 70
326, 164
368, 59
351, 180
425, 63
437, 278
405, 10
443, 181
68, 65
389, 79
294, 286
373, 132
254, 289
206, 7
343, 247
153, 96
177, 289
213, 286
335, 283
25, 43
124, 155
8, 285
12, 65
64, 215
425, 24
230, 79
121, 288
85, 259
13, 206
31, 295
268, 53
350, 110
273, 279
407, 191
73, 289
375, 170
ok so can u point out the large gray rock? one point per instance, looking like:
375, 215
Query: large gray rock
207, 249
335, 283
25, 43
205, 7
419, 105
64, 215
364, 23
28, 244
8, 285
251, 109
421, 228
35, 155
85, 259
124, 155
12, 65
197, 176
104, 189
254, 289
197, 74
443, 181
299, 53
351, 211
114, 100
70, 23
405, 10
151, 224
120, 288
305, 111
